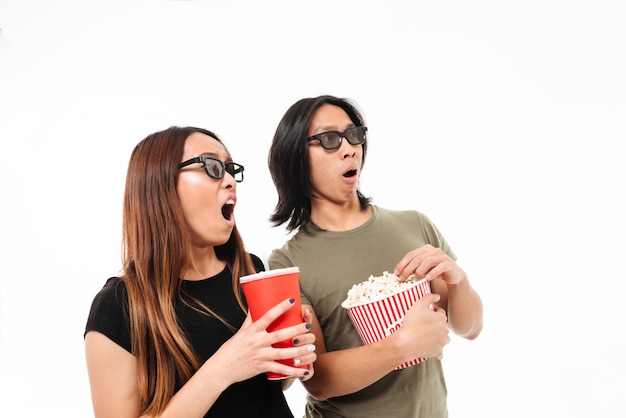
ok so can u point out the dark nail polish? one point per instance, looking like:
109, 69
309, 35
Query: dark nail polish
308, 326
292, 300
296, 341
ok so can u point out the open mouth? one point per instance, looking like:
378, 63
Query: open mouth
227, 210
350, 173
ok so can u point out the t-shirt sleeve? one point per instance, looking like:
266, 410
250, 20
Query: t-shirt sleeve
278, 260
109, 313
435, 237
258, 263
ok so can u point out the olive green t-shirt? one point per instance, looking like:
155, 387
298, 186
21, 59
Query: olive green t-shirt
330, 263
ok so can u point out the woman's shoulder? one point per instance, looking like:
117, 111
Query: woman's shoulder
113, 291
258, 263
109, 312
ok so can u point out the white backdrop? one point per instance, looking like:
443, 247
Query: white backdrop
503, 121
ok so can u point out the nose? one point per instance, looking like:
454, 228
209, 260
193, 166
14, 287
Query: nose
228, 181
347, 149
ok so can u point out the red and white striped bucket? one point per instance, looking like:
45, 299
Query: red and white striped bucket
378, 319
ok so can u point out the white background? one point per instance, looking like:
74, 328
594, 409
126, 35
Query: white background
503, 121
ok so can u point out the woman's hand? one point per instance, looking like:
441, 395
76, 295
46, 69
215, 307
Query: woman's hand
249, 352
309, 358
305, 339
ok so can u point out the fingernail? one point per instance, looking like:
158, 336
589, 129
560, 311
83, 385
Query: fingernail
308, 326
310, 348
296, 341
297, 362
292, 300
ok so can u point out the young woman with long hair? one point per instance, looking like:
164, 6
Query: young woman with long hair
171, 336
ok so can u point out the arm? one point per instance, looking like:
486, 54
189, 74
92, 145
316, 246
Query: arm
464, 307
458, 298
423, 334
113, 376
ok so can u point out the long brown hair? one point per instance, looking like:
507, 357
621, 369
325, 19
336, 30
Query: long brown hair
156, 252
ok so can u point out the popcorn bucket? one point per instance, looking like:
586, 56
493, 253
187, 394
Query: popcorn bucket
378, 319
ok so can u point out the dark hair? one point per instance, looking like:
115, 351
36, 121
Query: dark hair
288, 160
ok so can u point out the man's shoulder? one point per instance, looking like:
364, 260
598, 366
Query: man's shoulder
387, 213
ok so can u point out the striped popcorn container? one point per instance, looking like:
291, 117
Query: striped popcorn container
378, 319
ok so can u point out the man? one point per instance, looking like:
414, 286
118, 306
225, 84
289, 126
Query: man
315, 160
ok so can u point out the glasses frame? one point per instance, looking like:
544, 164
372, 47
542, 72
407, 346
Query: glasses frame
341, 135
229, 167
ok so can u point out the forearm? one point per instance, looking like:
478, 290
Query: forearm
465, 310
200, 392
347, 371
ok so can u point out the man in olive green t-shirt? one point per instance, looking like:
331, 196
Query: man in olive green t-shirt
341, 239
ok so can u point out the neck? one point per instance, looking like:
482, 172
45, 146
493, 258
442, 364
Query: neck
332, 216
204, 263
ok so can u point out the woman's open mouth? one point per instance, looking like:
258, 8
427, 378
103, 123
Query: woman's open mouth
228, 209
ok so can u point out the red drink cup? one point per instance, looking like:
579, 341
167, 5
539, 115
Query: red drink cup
265, 290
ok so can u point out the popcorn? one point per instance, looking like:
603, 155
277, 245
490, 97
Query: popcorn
376, 288
377, 307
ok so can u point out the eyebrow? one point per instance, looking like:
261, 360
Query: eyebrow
217, 156
332, 128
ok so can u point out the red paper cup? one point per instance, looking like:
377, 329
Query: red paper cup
265, 290
378, 319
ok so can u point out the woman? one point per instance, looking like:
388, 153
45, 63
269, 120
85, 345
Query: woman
171, 337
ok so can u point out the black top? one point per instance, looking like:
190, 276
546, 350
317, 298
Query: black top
256, 397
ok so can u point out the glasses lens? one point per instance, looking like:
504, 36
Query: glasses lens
235, 170
214, 168
355, 136
330, 140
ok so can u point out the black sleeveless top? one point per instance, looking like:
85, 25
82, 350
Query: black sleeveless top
253, 398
